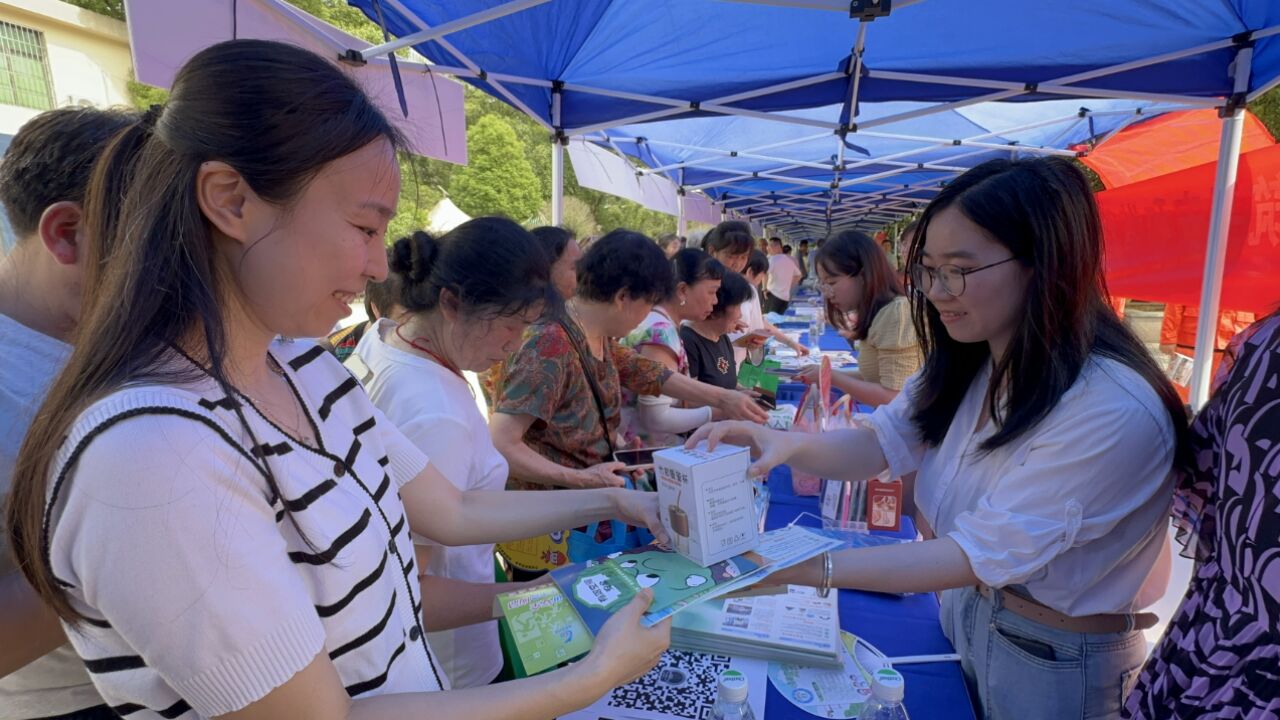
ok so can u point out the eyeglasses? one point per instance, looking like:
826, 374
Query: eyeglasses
949, 277
826, 287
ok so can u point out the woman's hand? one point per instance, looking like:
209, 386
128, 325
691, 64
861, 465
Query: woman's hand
807, 573
808, 374
640, 509
801, 350
603, 475
624, 650
734, 405
771, 448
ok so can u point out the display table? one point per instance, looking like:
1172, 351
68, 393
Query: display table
897, 626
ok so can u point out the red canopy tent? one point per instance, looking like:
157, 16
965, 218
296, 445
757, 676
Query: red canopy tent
1155, 235
1155, 221
1166, 144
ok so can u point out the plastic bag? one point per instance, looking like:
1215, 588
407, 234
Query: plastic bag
812, 416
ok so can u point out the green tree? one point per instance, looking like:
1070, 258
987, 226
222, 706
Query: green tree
497, 179
1267, 108
577, 218
342, 16
110, 8
423, 179
144, 96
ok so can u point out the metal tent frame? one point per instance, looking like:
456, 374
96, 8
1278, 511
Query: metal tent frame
812, 203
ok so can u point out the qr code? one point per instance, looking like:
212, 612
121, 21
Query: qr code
683, 685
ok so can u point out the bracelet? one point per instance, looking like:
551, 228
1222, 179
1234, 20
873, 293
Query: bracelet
825, 588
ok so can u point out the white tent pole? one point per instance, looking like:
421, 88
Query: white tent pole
1166, 57
850, 109
774, 89
1092, 92
681, 226
444, 43
1224, 187
1003, 147
717, 154
462, 23
557, 161
1060, 86
557, 183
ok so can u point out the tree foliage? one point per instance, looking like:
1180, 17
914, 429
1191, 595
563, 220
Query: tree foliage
497, 179
1267, 108
509, 172
110, 8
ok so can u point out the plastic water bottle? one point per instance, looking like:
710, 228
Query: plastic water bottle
817, 325
731, 698
887, 691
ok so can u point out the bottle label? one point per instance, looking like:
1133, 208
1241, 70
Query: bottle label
889, 677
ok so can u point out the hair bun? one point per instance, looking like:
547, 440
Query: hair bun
413, 257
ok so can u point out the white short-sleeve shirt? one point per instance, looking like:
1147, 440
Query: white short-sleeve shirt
201, 593
753, 317
435, 409
1074, 511
784, 273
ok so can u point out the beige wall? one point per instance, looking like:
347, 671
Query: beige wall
89, 57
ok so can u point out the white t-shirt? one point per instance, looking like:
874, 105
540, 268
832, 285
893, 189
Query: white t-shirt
753, 316
202, 595
1075, 510
56, 684
783, 275
435, 409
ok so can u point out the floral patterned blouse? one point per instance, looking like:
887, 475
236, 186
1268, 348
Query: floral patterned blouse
657, 329
544, 379
1218, 657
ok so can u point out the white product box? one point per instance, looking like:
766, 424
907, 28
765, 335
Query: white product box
706, 502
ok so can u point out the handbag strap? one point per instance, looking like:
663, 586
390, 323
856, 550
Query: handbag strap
591, 381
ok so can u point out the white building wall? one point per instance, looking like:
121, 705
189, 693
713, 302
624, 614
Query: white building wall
89, 61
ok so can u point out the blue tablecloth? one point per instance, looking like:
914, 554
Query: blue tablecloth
898, 626
830, 340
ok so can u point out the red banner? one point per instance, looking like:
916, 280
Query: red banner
1157, 230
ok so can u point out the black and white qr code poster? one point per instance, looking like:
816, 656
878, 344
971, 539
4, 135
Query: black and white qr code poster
681, 687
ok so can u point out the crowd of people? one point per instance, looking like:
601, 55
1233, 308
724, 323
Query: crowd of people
216, 509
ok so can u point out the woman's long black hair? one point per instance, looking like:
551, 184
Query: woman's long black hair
1042, 210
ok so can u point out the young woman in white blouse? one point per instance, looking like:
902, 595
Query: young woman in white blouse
1043, 435
223, 518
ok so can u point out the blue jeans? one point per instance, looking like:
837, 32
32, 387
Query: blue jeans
1019, 669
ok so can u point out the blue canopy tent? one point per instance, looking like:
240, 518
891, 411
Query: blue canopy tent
613, 61
582, 66
787, 176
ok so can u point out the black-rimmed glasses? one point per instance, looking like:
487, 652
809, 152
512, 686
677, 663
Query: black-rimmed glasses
950, 277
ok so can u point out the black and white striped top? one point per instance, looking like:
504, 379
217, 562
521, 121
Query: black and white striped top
202, 595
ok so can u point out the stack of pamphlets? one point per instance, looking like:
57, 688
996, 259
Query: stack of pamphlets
599, 588
796, 627
545, 628
553, 623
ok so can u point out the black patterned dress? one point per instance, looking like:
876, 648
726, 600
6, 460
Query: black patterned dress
1220, 656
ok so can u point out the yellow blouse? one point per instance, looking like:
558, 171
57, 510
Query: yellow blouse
890, 353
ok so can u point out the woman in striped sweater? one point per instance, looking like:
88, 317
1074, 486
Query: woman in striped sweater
222, 518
